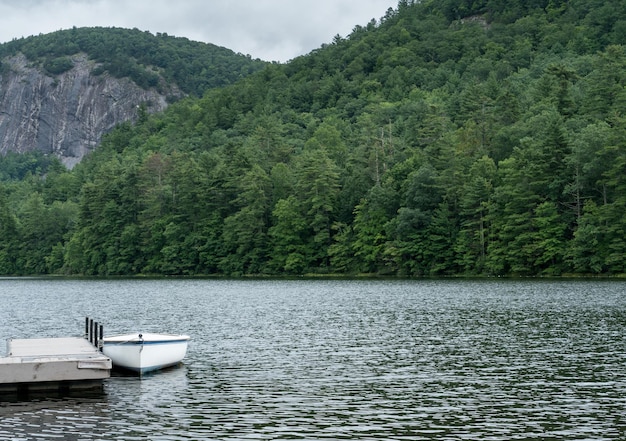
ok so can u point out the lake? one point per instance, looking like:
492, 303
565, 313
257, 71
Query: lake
338, 359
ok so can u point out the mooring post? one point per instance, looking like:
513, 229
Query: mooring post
95, 334
101, 339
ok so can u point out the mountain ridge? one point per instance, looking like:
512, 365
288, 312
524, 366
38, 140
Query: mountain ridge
60, 92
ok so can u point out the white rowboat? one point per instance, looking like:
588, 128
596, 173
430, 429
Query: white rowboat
145, 352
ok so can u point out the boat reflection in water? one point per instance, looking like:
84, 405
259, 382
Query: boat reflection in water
145, 352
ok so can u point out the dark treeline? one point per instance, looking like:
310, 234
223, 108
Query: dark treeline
449, 137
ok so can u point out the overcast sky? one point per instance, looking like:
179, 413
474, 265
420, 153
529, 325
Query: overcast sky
273, 30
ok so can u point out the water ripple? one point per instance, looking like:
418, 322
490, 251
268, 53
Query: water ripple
424, 360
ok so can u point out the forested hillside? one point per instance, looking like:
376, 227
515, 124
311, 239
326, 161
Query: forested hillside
451, 137
191, 66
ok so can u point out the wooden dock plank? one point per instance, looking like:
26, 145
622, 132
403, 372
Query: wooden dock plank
41, 347
53, 361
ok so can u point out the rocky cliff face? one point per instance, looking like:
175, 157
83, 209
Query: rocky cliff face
67, 114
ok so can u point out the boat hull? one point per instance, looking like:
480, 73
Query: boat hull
143, 353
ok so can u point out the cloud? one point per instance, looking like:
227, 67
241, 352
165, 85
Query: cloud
275, 30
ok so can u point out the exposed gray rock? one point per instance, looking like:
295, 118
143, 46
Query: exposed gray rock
67, 114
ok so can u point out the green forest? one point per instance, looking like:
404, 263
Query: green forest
447, 138
145, 59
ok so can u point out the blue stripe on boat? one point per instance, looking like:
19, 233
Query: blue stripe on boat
161, 342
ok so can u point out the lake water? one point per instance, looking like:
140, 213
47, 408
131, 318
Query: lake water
366, 360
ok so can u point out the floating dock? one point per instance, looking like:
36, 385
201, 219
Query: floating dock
52, 364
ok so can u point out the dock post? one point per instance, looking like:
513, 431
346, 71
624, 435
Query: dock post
94, 333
